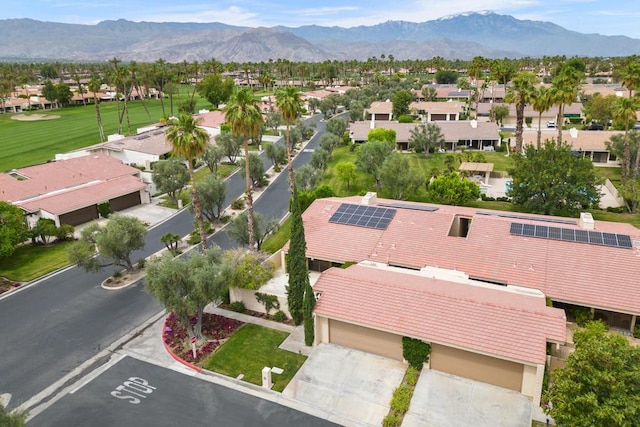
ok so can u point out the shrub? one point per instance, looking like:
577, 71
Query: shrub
405, 119
615, 209
636, 332
401, 399
237, 306
391, 420
582, 315
415, 352
237, 204
411, 376
104, 209
279, 316
141, 263
117, 274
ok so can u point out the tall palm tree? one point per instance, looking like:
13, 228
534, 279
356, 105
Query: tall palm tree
564, 90
245, 119
630, 76
624, 110
520, 93
94, 86
190, 142
541, 102
288, 102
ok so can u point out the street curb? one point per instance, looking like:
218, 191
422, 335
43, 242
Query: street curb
39, 402
172, 354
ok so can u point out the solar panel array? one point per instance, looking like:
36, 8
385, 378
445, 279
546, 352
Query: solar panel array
410, 206
363, 216
571, 235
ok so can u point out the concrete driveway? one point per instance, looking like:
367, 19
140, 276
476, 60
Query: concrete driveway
446, 400
353, 385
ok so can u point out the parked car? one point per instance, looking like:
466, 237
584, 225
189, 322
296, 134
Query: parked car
551, 124
595, 126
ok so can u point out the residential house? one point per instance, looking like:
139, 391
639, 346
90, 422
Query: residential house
592, 144
571, 111
379, 111
432, 111
471, 282
457, 134
69, 191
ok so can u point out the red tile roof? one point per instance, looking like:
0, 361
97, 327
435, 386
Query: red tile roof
467, 316
212, 119
591, 275
80, 197
53, 176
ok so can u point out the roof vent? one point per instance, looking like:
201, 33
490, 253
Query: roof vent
371, 198
474, 124
586, 221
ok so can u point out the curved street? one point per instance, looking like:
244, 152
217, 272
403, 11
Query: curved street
57, 324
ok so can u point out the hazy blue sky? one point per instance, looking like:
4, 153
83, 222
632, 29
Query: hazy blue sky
610, 17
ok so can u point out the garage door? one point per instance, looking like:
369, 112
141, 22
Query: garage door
124, 202
365, 339
490, 370
80, 216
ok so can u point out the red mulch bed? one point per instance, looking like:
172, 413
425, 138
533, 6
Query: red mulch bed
215, 328
7, 285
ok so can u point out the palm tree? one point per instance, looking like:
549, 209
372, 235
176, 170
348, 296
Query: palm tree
94, 86
541, 102
624, 110
564, 90
288, 102
520, 94
190, 142
245, 118
630, 76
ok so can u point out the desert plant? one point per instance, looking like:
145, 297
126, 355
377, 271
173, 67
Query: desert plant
237, 204
401, 399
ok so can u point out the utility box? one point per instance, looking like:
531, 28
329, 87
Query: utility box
266, 377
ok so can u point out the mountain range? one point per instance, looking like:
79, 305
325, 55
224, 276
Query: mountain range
460, 36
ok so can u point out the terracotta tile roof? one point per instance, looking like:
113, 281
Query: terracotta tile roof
212, 119
380, 107
79, 197
151, 142
579, 273
495, 321
585, 140
453, 131
54, 176
437, 107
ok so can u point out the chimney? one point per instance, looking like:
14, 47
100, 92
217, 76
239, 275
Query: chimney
586, 221
573, 132
474, 124
371, 198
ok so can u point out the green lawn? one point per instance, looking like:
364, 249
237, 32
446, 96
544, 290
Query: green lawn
29, 142
29, 262
277, 240
252, 348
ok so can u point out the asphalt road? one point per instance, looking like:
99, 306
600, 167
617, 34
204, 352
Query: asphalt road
135, 393
52, 327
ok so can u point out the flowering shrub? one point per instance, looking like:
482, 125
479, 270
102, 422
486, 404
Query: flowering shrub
7, 285
215, 329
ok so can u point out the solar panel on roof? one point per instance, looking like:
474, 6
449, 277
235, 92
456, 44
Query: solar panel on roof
362, 216
571, 235
542, 231
555, 233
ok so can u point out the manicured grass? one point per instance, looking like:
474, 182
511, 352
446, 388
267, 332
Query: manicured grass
29, 262
26, 143
277, 240
252, 348
613, 174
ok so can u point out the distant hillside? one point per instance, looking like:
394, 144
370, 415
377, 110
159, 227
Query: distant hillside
460, 36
